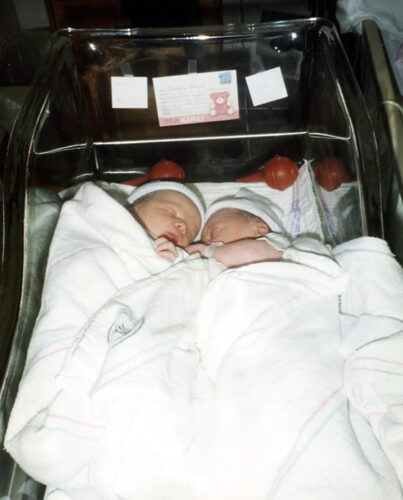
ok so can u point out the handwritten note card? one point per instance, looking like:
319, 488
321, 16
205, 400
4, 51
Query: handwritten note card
129, 92
266, 86
196, 98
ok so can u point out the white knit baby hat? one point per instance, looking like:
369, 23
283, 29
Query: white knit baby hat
161, 185
251, 202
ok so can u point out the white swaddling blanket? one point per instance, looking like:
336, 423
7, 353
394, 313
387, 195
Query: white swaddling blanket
190, 385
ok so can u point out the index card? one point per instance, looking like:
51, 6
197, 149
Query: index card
266, 86
129, 92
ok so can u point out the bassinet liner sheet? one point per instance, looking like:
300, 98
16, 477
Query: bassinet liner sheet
237, 392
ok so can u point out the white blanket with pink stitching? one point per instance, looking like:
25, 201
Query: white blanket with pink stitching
188, 384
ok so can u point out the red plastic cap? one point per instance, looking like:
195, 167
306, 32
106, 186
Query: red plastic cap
164, 169
280, 172
331, 173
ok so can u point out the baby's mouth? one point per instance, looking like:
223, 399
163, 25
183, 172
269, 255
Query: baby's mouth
172, 237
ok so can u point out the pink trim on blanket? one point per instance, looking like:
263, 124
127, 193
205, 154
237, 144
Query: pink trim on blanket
149, 361
41, 358
383, 413
294, 454
382, 360
74, 421
100, 247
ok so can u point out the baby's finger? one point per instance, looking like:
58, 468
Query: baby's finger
196, 247
167, 253
159, 240
166, 245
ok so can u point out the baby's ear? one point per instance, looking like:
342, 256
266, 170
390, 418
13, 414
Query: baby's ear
262, 228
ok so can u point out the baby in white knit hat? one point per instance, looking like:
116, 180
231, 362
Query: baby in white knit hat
171, 212
242, 229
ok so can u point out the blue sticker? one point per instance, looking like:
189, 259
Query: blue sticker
225, 77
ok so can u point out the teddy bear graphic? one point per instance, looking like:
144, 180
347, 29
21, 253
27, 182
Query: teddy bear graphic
220, 104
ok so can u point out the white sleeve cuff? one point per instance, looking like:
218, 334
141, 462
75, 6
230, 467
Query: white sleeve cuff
277, 240
181, 254
209, 253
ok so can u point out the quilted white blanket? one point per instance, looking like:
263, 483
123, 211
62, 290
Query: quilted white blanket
151, 381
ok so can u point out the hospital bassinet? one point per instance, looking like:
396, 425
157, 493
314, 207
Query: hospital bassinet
70, 131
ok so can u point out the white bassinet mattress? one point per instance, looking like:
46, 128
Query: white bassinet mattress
270, 381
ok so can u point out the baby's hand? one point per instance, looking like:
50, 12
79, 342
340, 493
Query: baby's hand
166, 248
197, 247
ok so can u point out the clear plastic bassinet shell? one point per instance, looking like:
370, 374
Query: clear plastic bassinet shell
69, 132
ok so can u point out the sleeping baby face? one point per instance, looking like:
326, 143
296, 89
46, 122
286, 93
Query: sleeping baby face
231, 224
170, 214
